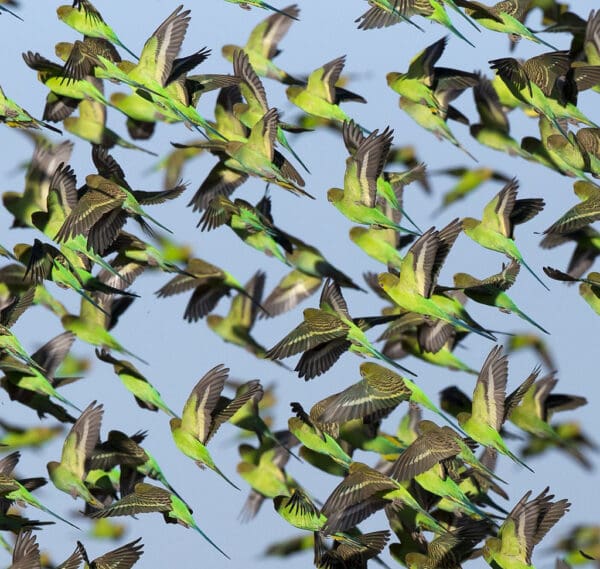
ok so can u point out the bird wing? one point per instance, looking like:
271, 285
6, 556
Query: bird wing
545, 70
417, 265
26, 553
263, 134
227, 408
318, 327
490, 390
123, 557
291, 290
421, 66
369, 160
146, 498
251, 87
163, 46
101, 197
496, 214
265, 37
379, 391
332, 300
424, 453
355, 498
321, 82
446, 238
196, 417
244, 307
319, 359
81, 440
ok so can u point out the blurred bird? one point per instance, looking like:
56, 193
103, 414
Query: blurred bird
33, 388
493, 130
311, 267
9, 314
145, 394
468, 181
5, 9
236, 327
492, 290
535, 410
45, 159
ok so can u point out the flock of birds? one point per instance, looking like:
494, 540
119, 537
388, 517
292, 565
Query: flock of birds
436, 491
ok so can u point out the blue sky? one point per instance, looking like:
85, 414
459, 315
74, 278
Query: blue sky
180, 353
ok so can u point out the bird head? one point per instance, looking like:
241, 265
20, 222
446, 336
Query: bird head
52, 466
175, 423
394, 76
63, 49
213, 320
63, 12
293, 91
335, 195
228, 50
469, 223
357, 233
387, 280
462, 418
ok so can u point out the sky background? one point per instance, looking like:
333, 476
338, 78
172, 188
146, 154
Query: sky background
180, 353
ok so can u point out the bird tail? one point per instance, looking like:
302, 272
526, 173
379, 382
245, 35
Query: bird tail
268, 6
216, 469
157, 223
210, 541
376, 353
48, 511
457, 9
524, 316
517, 459
126, 351
128, 50
284, 142
462, 324
66, 401
404, 214
537, 278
